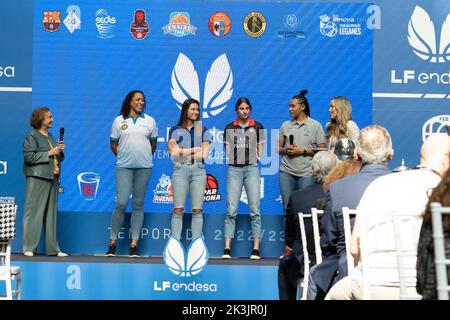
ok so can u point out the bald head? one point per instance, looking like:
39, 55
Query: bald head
435, 152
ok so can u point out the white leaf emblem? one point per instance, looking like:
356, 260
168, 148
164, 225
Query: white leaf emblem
197, 257
421, 35
174, 257
444, 46
184, 80
218, 85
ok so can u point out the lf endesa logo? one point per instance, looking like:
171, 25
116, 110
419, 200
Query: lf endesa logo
7, 72
429, 46
185, 266
3, 167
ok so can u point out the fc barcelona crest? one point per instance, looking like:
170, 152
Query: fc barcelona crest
51, 21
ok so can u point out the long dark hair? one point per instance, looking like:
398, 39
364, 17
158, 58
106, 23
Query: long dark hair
242, 100
125, 111
302, 99
184, 109
441, 194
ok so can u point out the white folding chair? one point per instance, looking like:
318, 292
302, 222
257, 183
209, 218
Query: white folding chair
440, 259
8, 273
303, 283
346, 213
388, 247
315, 222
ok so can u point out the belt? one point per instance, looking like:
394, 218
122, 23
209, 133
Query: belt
190, 162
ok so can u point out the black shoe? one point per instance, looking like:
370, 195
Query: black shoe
111, 251
132, 252
255, 255
226, 254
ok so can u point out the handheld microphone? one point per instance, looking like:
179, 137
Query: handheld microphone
61, 134
291, 139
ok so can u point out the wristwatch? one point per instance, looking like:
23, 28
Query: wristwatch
304, 152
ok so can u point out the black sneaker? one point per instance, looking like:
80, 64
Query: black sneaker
132, 252
111, 251
255, 255
226, 254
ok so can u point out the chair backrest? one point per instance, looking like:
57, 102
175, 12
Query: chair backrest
7, 232
315, 222
306, 261
8, 221
441, 262
388, 247
346, 213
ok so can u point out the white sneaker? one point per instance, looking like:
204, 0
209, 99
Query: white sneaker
226, 254
62, 254
28, 254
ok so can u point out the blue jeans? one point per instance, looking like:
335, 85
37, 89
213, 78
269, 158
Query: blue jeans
127, 181
289, 184
247, 176
188, 179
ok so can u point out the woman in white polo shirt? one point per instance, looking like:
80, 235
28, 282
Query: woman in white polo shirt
133, 140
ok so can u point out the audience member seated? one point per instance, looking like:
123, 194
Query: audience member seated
402, 192
426, 269
374, 150
291, 264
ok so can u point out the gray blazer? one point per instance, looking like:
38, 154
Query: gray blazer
37, 162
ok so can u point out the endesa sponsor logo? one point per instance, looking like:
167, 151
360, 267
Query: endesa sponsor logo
427, 46
185, 266
3, 167
7, 72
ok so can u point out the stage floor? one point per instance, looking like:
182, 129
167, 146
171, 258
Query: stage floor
123, 278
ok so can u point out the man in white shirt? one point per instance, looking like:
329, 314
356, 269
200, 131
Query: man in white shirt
405, 192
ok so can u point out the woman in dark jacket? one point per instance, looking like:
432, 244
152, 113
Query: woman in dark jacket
42, 159
426, 269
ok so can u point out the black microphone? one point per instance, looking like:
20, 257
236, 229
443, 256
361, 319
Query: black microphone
448, 130
291, 139
61, 134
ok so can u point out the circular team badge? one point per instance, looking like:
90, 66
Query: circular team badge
254, 24
219, 24
124, 126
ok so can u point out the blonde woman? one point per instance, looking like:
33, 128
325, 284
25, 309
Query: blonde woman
341, 124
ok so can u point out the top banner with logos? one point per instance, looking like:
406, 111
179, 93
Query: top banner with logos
88, 56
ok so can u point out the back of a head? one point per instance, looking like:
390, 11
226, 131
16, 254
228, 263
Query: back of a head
344, 148
374, 145
343, 169
322, 163
434, 152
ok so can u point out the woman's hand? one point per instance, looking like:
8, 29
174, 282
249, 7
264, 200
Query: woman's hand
56, 150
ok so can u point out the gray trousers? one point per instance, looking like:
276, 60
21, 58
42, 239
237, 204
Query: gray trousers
41, 203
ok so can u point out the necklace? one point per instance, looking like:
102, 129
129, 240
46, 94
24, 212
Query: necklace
427, 169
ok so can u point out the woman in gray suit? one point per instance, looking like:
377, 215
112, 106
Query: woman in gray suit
42, 159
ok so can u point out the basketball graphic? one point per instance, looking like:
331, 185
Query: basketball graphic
219, 24
211, 182
211, 189
180, 18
